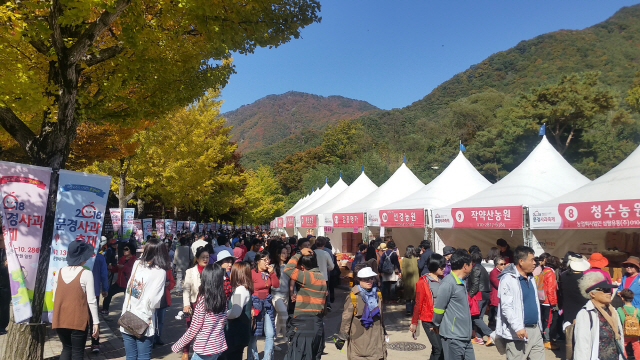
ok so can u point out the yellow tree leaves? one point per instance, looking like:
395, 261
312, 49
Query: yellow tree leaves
263, 195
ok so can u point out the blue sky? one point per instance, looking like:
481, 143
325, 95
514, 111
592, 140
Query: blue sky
392, 53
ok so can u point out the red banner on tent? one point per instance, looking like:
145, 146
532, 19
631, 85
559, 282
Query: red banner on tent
610, 214
280, 222
308, 221
291, 221
402, 218
348, 220
494, 217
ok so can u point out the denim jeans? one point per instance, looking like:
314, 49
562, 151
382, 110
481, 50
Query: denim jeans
409, 306
478, 322
73, 343
252, 351
160, 321
204, 357
137, 349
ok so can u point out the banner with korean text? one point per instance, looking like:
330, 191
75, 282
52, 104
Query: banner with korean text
495, 217
137, 231
147, 228
24, 190
200, 227
168, 226
80, 208
116, 220
127, 223
402, 218
160, 230
290, 221
280, 222
348, 220
193, 226
610, 214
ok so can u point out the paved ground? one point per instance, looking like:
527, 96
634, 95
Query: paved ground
396, 322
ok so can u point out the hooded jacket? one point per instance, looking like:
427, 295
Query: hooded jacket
586, 334
511, 308
451, 309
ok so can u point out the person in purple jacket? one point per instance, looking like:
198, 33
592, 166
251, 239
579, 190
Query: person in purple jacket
100, 281
447, 252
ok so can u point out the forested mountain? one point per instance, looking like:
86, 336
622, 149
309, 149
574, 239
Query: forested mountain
292, 114
581, 83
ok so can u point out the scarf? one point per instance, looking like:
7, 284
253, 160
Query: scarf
612, 320
370, 297
200, 268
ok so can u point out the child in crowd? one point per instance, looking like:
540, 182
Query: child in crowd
628, 309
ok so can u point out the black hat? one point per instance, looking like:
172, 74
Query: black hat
79, 252
604, 284
448, 250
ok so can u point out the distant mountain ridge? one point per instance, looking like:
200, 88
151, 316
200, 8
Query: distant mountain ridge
277, 117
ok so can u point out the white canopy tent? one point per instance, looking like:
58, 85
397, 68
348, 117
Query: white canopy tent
497, 211
302, 214
458, 181
360, 188
402, 183
581, 218
290, 218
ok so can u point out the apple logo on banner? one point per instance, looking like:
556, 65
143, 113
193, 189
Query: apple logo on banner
571, 213
459, 216
335, 219
385, 217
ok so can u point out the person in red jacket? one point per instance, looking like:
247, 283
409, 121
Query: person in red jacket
549, 302
500, 263
124, 269
426, 293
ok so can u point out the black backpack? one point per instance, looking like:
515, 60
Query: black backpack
387, 267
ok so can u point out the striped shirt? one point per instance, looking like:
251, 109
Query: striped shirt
208, 331
313, 288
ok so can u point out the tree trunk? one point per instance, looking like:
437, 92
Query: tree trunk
175, 212
140, 208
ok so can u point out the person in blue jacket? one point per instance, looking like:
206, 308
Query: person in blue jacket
100, 281
630, 279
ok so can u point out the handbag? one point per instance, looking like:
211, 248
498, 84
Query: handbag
132, 323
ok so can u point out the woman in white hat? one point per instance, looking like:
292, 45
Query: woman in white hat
362, 326
226, 260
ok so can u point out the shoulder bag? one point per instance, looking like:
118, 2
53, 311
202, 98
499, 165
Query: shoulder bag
132, 323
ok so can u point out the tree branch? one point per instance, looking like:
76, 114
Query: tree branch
91, 33
16, 128
102, 55
132, 193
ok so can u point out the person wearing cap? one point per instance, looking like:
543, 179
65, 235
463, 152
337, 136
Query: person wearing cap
519, 323
447, 252
362, 326
573, 301
226, 260
598, 331
100, 282
74, 301
598, 262
630, 279
124, 269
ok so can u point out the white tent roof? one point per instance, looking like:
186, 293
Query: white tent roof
360, 188
299, 204
335, 190
457, 182
619, 183
315, 196
402, 183
542, 176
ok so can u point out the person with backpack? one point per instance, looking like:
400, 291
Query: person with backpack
630, 318
547, 288
426, 294
389, 268
362, 326
598, 332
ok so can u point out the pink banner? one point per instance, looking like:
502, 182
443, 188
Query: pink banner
348, 220
308, 220
160, 228
402, 218
24, 190
610, 214
495, 217
279, 222
291, 221
116, 221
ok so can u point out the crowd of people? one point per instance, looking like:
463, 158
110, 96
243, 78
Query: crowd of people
238, 287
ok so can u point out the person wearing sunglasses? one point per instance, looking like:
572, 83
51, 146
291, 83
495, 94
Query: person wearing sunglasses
598, 330
123, 269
